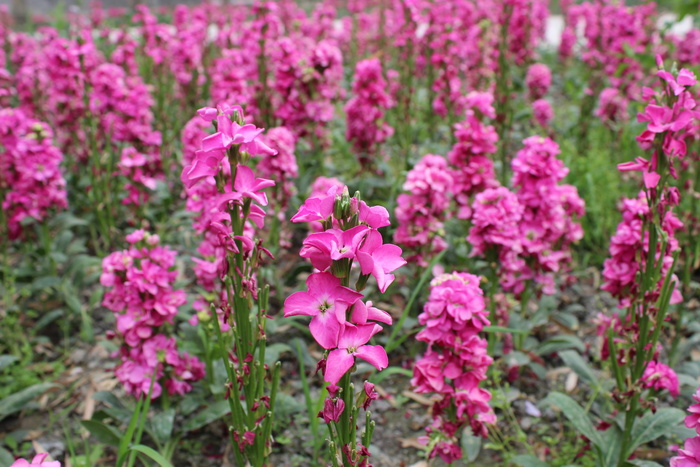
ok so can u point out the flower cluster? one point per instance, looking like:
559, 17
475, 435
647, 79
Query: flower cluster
366, 128
31, 183
472, 167
658, 376
612, 106
455, 362
341, 322
669, 121
547, 227
614, 35
495, 231
629, 251
542, 112
141, 295
421, 212
690, 455
538, 79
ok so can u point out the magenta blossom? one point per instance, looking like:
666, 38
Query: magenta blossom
323, 248
379, 260
38, 461
326, 301
352, 343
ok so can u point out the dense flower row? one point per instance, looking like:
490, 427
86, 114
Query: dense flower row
31, 183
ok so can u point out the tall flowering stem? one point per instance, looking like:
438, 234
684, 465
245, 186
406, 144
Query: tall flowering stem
455, 362
341, 322
233, 216
640, 270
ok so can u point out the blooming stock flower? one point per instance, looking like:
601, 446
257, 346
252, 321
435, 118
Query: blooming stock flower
422, 211
366, 128
31, 182
140, 294
342, 323
455, 362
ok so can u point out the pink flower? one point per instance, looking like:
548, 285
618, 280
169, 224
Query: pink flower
690, 455
323, 248
693, 420
678, 85
326, 301
318, 208
332, 410
659, 376
246, 185
352, 343
38, 461
538, 79
542, 112
379, 260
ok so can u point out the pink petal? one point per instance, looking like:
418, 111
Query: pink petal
375, 355
245, 133
245, 178
325, 328
216, 141
355, 336
366, 262
375, 314
338, 363
208, 113
322, 283
651, 179
301, 303
686, 78
389, 257
373, 240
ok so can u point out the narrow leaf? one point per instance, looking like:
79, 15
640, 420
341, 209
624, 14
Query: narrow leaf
153, 454
528, 460
102, 432
206, 416
577, 416
19, 400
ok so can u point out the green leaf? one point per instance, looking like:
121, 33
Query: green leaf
7, 360
611, 452
108, 398
121, 415
45, 282
376, 378
105, 434
152, 453
6, 458
48, 318
576, 416
471, 445
528, 460
561, 342
643, 463
206, 416
504, 329
574, 361
19, 400
654, 425
161, 425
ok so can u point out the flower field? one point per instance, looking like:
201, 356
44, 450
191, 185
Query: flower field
350, 233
